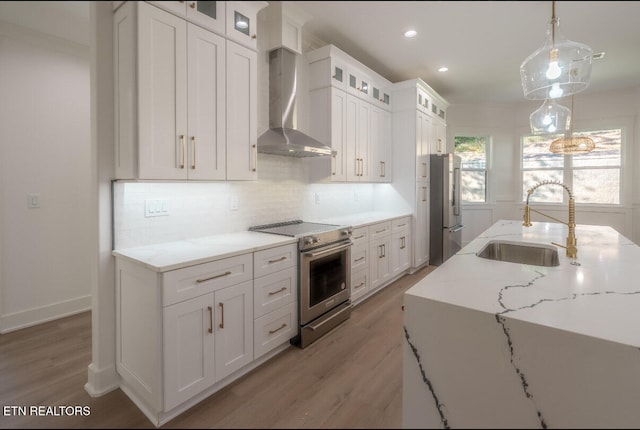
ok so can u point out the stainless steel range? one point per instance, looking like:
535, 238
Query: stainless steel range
324, 275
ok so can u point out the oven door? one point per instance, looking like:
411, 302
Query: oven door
324, 279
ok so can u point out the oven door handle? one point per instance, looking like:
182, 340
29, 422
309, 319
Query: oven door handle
327, 251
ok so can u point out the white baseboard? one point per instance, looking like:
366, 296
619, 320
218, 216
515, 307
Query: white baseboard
31, 317
101, 381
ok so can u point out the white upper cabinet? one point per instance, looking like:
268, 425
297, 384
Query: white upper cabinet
185, 97
242, 138
380, 149
207, 14
358, 138
348, 117
242, 21
359, 83
206, 104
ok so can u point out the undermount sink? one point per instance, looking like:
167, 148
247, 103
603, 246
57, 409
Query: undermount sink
520, 252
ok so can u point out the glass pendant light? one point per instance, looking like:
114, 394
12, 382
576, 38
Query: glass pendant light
572, 144
559, 68
550, 118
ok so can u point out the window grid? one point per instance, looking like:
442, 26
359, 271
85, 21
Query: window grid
594, 178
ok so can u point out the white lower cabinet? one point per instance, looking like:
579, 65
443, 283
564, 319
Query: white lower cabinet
275, 298
206, 339
379, 250
380, 254
359, 263
400, 246
185, 333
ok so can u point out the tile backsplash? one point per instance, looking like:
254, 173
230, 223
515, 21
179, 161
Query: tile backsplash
196, 209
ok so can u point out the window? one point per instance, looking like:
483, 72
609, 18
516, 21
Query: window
593, 177
473, 171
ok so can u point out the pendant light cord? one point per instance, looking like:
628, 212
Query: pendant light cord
553, 23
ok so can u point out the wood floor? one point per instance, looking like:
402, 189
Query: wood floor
350, 378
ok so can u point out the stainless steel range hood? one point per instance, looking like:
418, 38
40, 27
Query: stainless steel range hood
283, 138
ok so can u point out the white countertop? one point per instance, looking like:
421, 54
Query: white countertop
597, 294
183, 253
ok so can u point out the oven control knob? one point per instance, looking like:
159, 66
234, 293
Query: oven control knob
311, 240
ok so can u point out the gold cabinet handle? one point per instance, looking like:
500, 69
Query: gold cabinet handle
193, 5
182, 146
193, 163
273, 293
425, 170
384, 251
254, 36
278, 329
278, 259
360, 285
358, 259
334, 162
359, 237
380, 231
402, 225
221, 315
227, 273
210, 309
402, 243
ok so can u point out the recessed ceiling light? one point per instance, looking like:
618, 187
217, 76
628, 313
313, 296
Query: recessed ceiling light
410, 33
443, 69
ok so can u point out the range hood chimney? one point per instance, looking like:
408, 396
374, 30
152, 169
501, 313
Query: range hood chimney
283, 136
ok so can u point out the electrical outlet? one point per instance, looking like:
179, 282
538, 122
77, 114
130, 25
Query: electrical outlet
317, 198
233, 203
33, 201
156, 207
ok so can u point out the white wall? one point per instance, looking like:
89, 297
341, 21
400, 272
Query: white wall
44, 149
506, 123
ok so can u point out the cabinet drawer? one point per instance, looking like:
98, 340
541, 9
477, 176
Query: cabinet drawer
400, 225
183, 284
273, 259
359, 257
359, 284
360, 235
274, 329
275, 290
379, 230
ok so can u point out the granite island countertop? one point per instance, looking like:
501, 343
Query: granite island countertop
493, 344
597, 294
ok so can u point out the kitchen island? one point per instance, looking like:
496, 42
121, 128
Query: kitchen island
498, 344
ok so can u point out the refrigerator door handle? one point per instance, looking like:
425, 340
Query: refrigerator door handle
456, 228
456, 191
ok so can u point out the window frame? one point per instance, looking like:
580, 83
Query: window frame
486, 170
568, 167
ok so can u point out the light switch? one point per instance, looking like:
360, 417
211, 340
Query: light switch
317, 198
233, 203
33, 201
156, 207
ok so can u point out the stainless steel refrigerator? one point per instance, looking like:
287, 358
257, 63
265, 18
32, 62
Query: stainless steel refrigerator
445, 232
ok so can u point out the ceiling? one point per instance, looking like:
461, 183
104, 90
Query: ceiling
482, 42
